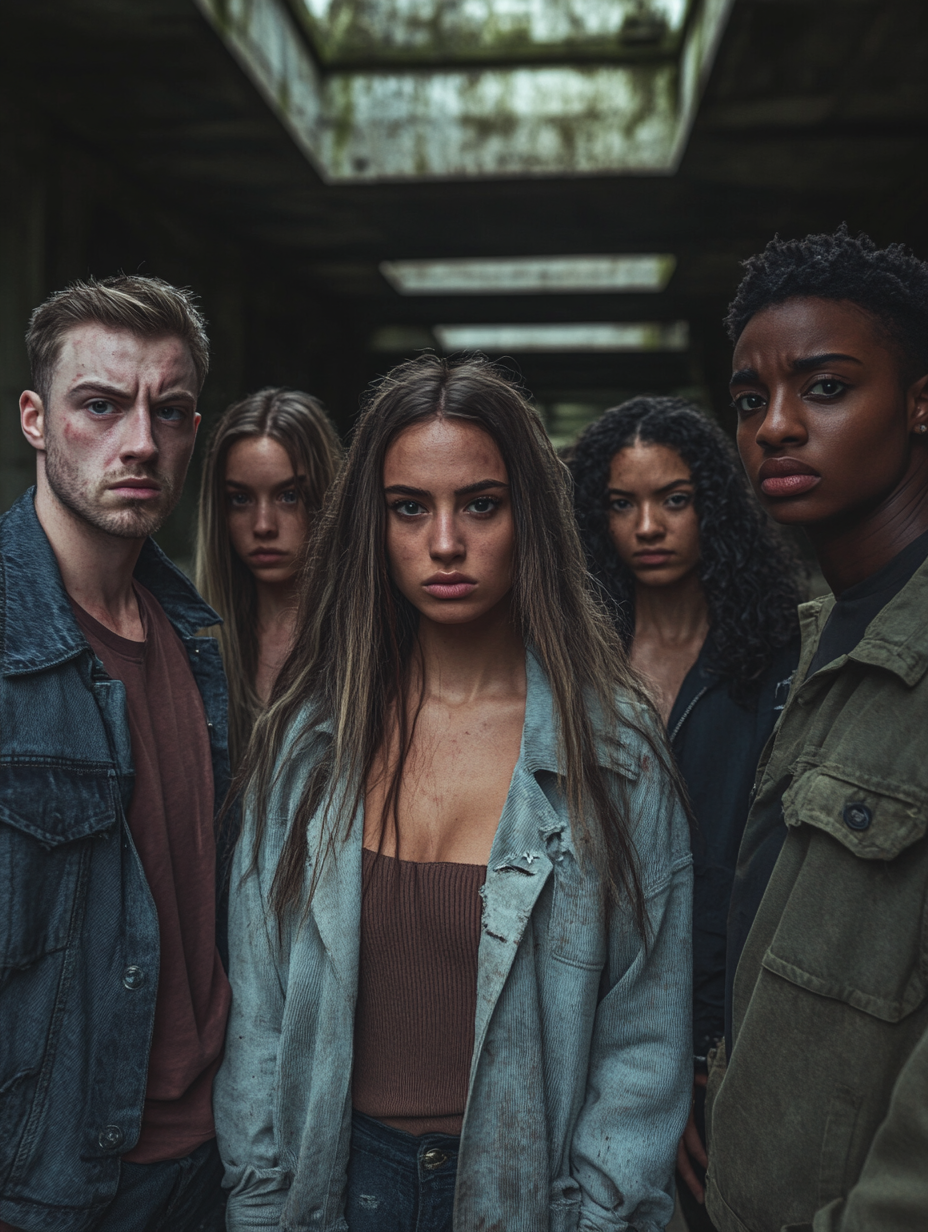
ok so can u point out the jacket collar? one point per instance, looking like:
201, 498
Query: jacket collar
39, 626
539, 749
894, 640
532, 837
531, 833
541, 731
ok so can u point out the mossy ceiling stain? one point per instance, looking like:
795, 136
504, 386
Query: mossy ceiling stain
415, 31
460, 124
387, 121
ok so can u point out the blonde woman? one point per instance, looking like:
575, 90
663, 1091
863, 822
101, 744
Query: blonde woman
460, 906
270, 462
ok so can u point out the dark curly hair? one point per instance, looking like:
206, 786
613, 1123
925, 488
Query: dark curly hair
889, 283
749, 574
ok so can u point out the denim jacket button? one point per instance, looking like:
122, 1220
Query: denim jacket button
111, 1138
857, 816
133, 978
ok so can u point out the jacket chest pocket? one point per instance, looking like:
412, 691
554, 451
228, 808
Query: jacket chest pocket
576, 929
48, 819
854, 925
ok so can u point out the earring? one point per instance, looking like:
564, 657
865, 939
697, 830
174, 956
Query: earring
922, 428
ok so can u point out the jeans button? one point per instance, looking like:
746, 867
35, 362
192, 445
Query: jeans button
111, 1138
433, 1159
133, 978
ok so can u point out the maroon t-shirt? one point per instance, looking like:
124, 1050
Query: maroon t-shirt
171, 821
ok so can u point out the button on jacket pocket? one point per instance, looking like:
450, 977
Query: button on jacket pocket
847, 948
873, 817
856, 815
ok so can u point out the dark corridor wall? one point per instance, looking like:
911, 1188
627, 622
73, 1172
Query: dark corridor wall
66, 214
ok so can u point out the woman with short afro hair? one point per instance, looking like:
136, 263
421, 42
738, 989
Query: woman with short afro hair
704, 594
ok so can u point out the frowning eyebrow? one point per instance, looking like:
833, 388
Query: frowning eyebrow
674, 483
816, 361
401, 489
750, 376
745, 376
124, 395
293, 482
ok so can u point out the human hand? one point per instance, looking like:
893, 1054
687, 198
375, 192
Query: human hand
691, 1148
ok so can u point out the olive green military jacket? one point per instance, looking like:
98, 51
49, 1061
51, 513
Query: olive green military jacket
820, 1121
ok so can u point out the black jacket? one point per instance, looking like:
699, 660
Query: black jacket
717, 743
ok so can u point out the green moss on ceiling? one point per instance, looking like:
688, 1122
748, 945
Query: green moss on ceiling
346, 32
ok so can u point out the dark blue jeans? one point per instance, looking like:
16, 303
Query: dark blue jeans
397, 1182
178, 1195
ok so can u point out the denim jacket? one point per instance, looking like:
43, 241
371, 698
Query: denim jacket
79, 947
581, 1072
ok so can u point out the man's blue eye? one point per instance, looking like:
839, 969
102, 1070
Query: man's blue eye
100, 407
171, 413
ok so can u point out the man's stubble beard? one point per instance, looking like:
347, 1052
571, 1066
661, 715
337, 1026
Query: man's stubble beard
127, 521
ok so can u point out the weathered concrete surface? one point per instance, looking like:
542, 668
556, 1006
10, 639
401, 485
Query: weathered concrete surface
392, 123
366, 31
498, 122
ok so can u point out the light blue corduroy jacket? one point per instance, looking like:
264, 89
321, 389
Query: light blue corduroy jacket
581, 1072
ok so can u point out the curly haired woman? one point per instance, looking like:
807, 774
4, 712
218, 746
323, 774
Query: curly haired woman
704, 595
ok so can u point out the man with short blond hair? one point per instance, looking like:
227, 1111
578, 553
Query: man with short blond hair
113, 997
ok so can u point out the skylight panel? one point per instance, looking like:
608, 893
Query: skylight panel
531, 275
597, 336
491, 26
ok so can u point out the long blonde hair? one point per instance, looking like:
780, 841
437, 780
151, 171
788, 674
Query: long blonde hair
297, 422
356, 635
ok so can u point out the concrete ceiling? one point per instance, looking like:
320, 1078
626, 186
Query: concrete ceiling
814, 112
428, 89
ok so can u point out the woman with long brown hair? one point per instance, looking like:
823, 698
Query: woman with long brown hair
270, 461
459, 927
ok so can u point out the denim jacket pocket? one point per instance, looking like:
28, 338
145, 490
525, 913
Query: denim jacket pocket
864, 943
574, 933
45, 812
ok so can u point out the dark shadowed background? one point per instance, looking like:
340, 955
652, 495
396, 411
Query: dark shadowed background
272, 154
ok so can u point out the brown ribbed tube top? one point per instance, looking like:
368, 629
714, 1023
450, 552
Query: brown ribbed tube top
417, 992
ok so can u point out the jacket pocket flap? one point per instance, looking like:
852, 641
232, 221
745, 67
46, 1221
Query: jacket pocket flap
889, 995
874, 818
58, 804
852, 920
